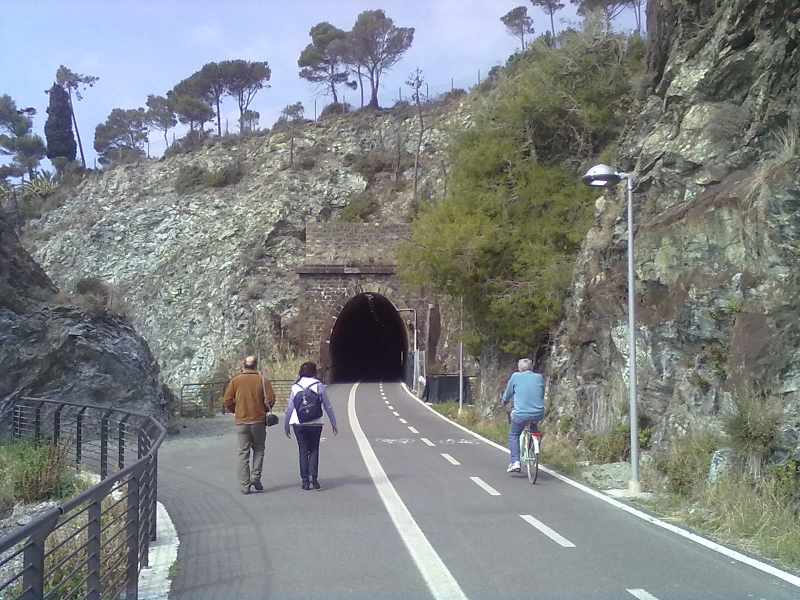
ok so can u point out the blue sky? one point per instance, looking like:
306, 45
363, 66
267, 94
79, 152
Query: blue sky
141, 47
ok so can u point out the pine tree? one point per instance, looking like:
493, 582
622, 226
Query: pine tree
58, 128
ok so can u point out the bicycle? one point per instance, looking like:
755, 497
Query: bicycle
529, 446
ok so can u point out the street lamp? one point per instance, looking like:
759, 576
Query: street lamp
605, 176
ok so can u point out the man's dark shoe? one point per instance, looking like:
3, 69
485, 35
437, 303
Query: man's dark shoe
315, 484
257, 485
305, 485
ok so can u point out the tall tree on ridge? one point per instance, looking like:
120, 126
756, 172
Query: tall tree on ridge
16, 140
122, 136
192, 111
73, 82
243, 80
161, 114
376, 45
207, 85
518, 23
321, 60
61, 145
550, 7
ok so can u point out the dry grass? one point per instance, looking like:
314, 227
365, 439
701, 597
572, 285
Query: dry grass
559, 451
782, 150
752, 426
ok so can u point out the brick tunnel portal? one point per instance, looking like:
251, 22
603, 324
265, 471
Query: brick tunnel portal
369, 341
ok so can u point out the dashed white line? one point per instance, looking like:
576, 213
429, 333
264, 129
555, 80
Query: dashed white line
485, 486
642, 595
396, 414
390, 407
441, 583
386, 401
450, 459
557, 538
403, 421
427, 441
412, 430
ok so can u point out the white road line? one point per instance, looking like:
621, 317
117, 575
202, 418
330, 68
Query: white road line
395, 413
642, 595
440, 581
386, 401
390, 407
557, 538
450, 459
756, 564
403, 421
412, 430
485, 486
427, 441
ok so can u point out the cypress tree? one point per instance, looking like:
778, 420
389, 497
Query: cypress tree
58, 128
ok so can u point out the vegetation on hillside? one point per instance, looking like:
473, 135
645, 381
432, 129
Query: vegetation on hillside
505, 237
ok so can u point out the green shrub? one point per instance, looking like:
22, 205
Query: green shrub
686, 464
359, 208
93, 286
190, 177
335, 108
40, 187
34, 471
613, 446
369, 164
229, 175
456, 94
752, 427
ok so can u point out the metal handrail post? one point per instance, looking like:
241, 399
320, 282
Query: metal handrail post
93, 549
132, 525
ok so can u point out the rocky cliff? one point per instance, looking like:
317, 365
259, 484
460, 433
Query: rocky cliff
714, 153
206, 265
51, 348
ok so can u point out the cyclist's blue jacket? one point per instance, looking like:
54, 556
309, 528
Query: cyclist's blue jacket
527, 388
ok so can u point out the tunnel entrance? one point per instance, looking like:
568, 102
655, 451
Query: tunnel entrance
369, 341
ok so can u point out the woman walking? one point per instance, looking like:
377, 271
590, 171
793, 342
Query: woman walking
304, 413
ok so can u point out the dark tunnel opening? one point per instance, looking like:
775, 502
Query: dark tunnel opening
369, 341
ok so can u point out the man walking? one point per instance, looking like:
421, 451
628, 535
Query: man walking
527, 389
247, 397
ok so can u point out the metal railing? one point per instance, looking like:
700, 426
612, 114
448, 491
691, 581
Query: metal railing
94, 544
205, 399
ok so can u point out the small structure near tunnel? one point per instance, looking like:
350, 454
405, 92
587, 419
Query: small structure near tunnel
355, 312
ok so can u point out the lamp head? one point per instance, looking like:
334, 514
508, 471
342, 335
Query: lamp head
602, 176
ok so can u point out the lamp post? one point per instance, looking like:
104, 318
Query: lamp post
605, 176
416, 374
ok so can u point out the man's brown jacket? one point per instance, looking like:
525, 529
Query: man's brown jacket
247, 398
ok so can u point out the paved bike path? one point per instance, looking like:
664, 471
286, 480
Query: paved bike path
253, 546
486, 543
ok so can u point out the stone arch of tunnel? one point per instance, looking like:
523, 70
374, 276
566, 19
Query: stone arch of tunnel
368, 340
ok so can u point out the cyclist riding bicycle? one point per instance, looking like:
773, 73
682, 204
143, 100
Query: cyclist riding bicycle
527, 389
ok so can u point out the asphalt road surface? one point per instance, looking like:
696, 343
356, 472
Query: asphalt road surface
412, 506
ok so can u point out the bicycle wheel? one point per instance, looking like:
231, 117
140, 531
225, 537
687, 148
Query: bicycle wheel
533, 463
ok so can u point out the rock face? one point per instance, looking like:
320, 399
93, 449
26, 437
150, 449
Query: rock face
212, 268
64, 352
714, 155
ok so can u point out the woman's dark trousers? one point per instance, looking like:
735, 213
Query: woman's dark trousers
308, 442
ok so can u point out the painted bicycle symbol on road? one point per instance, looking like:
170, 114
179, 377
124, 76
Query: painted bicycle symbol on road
461, 441
391, 441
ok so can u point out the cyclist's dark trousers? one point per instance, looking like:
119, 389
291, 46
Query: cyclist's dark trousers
517, 425
308, 444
